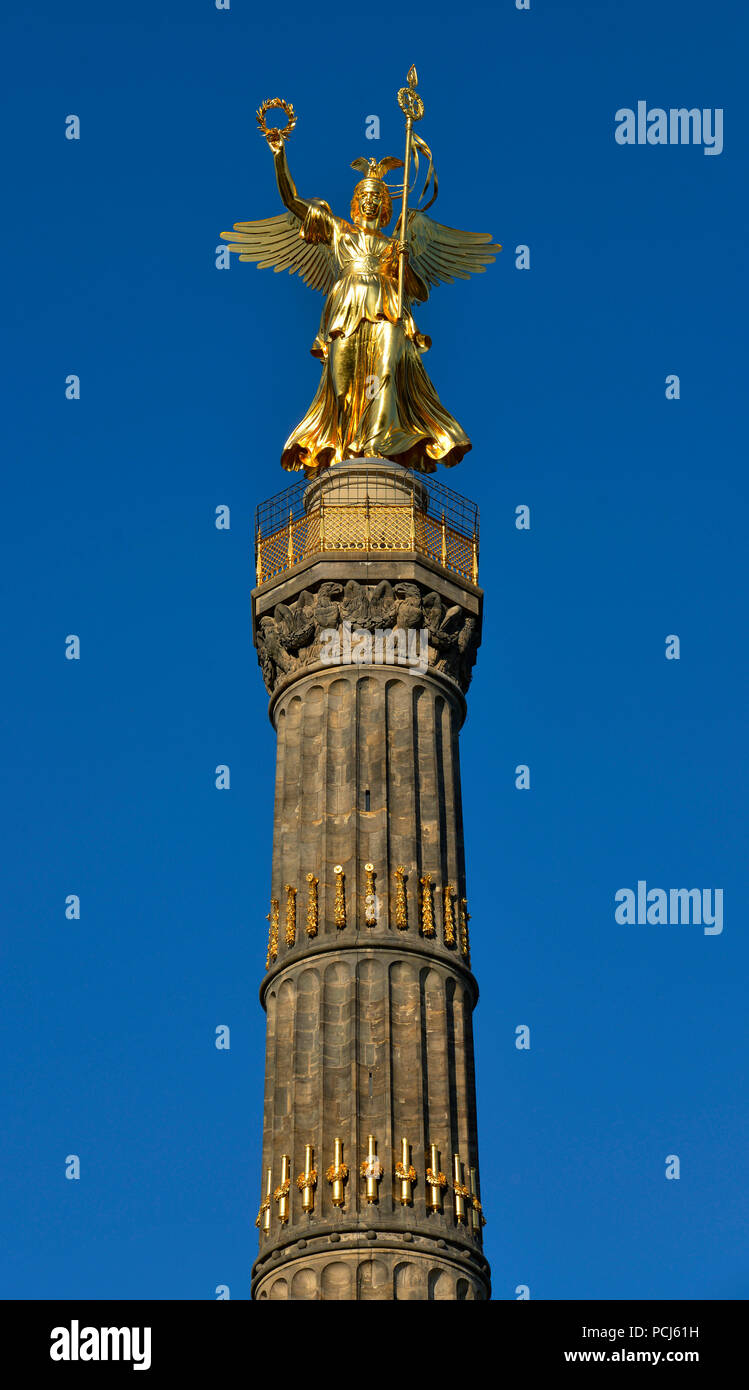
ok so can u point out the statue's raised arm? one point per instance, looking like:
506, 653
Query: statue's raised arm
286, 186
292, 240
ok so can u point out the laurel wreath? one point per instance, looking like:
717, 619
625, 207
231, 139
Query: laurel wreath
272, 104
371, 1168
307, 1179
436, 1180
411, 103
282, 1190
263, 1207
405, 1174
477, 1207
337, 1174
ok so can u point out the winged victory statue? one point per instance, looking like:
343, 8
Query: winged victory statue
374, 399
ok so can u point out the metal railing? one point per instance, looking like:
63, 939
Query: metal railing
419, 515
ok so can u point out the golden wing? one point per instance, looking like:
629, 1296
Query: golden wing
277, 242
440, 254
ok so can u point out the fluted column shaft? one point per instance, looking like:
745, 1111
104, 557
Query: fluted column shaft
368, 986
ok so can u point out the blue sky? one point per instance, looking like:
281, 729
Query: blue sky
191, 379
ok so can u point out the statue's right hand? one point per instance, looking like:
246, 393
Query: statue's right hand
275, 141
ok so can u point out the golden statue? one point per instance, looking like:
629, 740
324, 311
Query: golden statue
374, 399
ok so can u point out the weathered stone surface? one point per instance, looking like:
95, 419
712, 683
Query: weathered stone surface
292, 637
369, 1027
360, 1273
371, 1042
387, 741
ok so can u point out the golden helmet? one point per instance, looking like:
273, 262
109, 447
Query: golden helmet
373, 182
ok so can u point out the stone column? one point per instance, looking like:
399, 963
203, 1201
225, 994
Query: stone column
368, 988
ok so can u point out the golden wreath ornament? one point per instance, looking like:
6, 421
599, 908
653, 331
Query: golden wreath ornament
337, 1173
282, 1190
276, 104
405, 1174
307, 1179
477, 1207
436, 1180
371, 1168
408, 98
263, 1207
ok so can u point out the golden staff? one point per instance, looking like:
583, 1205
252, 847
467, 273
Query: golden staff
413, 109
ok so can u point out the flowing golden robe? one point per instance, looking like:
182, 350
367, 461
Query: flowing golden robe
374, 399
